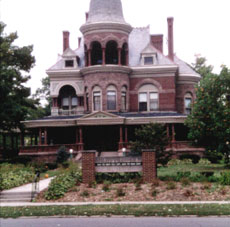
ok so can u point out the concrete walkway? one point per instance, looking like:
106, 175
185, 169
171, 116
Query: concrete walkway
22, 193
43, 184
111, 203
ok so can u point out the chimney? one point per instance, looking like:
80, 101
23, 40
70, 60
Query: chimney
65, 40
79, 41
86, 16
170, 38
157, 41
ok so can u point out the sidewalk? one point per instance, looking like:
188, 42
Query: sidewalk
110, 203
22, 193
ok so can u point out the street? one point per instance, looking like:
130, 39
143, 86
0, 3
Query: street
118, 222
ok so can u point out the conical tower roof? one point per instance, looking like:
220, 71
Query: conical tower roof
105, 11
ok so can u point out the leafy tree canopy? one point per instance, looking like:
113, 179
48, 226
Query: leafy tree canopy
152, 136
209, 121
15, 104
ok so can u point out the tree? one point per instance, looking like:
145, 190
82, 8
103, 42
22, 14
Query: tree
209, 122
15, 103
44, 93
152, 136
201, 67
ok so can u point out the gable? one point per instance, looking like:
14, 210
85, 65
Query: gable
101, 115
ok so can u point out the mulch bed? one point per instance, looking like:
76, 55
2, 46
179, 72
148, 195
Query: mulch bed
158, 191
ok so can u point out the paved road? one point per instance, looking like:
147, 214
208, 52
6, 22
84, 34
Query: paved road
117, 222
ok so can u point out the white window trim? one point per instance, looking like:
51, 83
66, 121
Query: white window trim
187, 96
148, 100
97, 89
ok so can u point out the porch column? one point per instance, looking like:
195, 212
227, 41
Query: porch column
31, 140
81, 147
17, 141
77, 134
40, 137
119, 56
46, 141
36, 139
22, 139
173, 133
167, 125
89, 57
103, 56
126, 136
121, 138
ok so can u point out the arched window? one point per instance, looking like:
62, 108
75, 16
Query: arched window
111, 98
124, 98
188, 103
111, 53
68, 98
148, 98
96, 53
124, 53
97, 98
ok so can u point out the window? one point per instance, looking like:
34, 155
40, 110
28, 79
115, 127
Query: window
143, 101
148, 60
69, 63
123, 101
97, 101
74, 101
111, 100
65, 103
153, 101
187, 103
148, 98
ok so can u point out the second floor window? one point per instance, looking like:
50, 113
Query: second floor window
97, 101
148, 98
111, 100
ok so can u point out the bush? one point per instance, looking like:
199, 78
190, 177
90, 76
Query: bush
204, 161
14, 175
195, 158
120, 192
106, 186
171, 185
181, 175
225, 178
62, 155
185, 181
63, 183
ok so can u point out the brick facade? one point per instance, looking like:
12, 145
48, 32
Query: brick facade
149, 166
88, 166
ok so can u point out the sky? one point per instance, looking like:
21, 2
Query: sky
201, 27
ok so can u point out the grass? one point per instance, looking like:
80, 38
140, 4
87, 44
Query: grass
108, 210
172, 170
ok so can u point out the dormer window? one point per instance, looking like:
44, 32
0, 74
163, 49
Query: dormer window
69, 63
148, 60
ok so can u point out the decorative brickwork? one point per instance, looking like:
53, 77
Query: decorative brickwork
149, 166
88, 166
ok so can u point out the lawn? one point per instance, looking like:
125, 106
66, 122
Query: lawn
109, 210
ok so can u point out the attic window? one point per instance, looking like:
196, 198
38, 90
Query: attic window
148, 60
69, 63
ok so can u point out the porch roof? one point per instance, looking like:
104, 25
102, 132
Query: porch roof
104, 118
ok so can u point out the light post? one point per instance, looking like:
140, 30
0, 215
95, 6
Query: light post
71, 154
123, 151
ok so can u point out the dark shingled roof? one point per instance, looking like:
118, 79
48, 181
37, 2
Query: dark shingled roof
61, 117
152, 114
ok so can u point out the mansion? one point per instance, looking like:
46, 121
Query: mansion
116, 80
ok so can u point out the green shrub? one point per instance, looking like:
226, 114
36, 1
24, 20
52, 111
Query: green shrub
204, 161
62, 183
195, 158
120, 192
181, 175
185, 181
154, 193
85, 193
62, 155
106, 186
14, 175
225, 178
174, 162
171, 185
